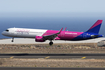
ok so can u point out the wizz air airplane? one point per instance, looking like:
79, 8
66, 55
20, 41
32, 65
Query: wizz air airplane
41, 35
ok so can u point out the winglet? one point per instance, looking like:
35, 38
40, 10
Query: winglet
60, 31
65, 29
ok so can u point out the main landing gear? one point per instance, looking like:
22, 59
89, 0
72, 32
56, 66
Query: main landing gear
12, 39
50, 43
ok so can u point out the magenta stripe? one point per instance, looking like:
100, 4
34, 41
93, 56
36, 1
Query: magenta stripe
96, 24
64, 35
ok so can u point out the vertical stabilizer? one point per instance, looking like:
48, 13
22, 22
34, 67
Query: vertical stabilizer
96, 27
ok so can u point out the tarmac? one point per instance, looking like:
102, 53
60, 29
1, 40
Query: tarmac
33, 68
55, 56
32, 41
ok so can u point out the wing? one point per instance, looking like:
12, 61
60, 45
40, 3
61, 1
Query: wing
51, 37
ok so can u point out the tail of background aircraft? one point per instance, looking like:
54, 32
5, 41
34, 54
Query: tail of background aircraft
96, 27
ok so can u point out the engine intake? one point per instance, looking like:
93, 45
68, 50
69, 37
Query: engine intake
39, 39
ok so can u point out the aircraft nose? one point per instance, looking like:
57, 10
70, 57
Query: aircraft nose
3, 33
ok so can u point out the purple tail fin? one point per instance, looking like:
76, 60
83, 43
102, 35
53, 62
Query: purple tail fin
96, 27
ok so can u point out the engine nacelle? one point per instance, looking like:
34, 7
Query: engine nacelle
39, 39
57, 38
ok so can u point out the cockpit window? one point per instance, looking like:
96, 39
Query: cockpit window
7, 30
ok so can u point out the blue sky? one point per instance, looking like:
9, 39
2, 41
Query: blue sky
94, 9
86, 7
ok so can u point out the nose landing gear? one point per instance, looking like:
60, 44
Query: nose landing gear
12, 39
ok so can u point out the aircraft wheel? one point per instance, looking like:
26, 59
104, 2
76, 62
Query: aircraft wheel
12, 41
51, 43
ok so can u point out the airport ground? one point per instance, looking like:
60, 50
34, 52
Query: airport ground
71, 63
46, 68
19, 54
64, 48
24, 45
39, 55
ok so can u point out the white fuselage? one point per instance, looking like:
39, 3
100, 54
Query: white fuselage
23, 32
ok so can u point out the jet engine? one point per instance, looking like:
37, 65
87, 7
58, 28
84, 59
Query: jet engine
39, 39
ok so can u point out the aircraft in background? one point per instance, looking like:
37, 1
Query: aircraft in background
41, 35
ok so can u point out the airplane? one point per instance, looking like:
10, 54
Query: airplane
41, 35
